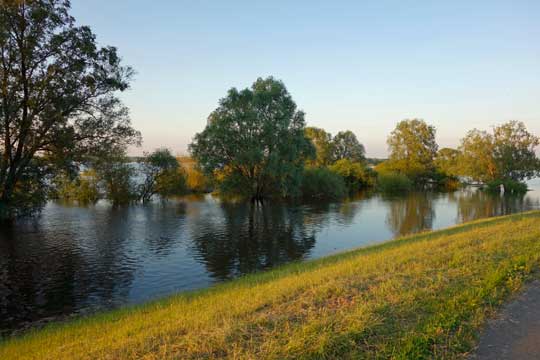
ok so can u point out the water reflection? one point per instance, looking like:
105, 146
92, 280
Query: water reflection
73, 260
251, 237
473, 204
411, 214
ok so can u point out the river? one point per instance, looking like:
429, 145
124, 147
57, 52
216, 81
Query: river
77, 260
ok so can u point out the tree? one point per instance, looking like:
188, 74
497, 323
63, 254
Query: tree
507, 154
412, 149
355, 174
477, 161
324, 146
255, 142
447, 161
162, 175
347, 146
514, 152
57, 97
115, 173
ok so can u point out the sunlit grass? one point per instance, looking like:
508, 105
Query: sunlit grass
418, 297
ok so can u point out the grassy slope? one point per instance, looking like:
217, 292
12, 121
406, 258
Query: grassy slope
421, 296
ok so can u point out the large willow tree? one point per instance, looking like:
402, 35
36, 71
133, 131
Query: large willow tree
254, 144
57, 99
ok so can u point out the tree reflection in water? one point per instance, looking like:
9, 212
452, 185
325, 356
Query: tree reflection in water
475, 204
410, 214
252, 237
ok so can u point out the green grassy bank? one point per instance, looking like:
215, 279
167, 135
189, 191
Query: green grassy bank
418, 297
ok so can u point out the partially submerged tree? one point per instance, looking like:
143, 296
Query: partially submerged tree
255, 142
115, 174
412, 149
355, 174
57, 102
162, 175
507, 154
514, 151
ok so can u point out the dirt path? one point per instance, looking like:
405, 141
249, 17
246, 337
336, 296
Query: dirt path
515, 334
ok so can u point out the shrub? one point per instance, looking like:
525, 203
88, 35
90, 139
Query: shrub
356, 175
445, 182
394, 183
196, 180
321, 183
510, 186
83, 189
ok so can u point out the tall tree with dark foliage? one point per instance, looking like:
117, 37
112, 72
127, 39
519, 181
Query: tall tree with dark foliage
57, 99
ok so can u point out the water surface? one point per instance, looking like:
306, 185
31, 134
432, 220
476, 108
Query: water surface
75, 260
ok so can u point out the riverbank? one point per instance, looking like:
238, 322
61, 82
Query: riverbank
420, 296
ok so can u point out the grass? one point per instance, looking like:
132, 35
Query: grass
423, 296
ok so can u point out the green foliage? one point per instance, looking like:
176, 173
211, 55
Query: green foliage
29, 194
83, 189
514, 152
447, 161
171, 182
321, 183
509, 186
477, 161
254, 144
412, 150
162, 175
347, 146
324, 146
58, 97
394, 183
116, 175
445, 182
507, 154
356, 175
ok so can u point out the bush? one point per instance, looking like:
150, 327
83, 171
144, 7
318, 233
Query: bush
394, 183
196, 180
510, 187
321, 183
445, 182
355, 174
84, 189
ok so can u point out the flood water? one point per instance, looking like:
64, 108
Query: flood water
77, 260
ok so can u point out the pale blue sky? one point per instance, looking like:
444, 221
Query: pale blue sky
357, 65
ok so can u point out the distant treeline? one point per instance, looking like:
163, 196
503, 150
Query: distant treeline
256, 146
64, 133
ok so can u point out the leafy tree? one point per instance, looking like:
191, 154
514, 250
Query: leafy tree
255, 142
412, 149
322, 183
447, 161
477, 161
84, 188
116, 176
507, 154
347, 146
355, 174
514, 151
57, 102
324, 146
162, 175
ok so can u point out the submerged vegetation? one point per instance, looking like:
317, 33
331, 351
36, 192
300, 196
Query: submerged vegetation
422, 296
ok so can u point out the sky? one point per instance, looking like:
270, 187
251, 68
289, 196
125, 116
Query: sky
350, 65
